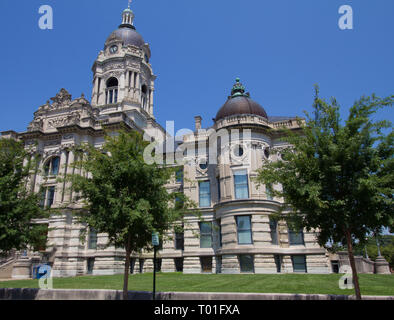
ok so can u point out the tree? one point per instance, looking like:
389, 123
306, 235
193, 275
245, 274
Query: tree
386, 243
125, 198
337, 178
18, 206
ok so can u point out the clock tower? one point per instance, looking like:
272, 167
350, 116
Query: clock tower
123, 79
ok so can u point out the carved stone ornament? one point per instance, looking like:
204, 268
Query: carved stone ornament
62, 99
36, 124
113, 66
52, 143
72, 118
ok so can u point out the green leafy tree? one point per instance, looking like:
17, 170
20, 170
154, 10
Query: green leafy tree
386, 243
125, 197
337, 177
18, 206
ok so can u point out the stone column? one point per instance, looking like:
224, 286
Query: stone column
382, 266
70, 170
261, 230
287, 265
148, 265
95, 90
151, 101
62, 171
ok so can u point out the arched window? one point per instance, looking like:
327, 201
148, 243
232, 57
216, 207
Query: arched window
144, 96
51, 167
111, 93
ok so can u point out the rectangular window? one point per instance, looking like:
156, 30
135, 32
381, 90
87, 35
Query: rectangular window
43, 196
246, 263
178, 264
55, 166
274, 231
278, 262
241, 184
219, 231
92, 243
244, 230
296, 238
50, 196
206, 264
179, 175
159, 262
179, 241
90, 265
141, 262
205, 194
268, 191
132, 265
299, 263
205, 235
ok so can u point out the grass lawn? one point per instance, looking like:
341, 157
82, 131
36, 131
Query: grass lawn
371, 284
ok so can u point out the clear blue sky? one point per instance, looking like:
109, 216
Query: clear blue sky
279, 49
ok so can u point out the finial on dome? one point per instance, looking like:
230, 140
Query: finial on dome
238, 89
127, 17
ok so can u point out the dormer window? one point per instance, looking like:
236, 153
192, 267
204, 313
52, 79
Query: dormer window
111, 93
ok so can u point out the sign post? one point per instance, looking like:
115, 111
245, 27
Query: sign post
155, 242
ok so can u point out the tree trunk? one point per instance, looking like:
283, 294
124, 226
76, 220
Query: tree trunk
126, 269
353, 265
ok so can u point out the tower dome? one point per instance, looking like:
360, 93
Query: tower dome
126, 31
240, 103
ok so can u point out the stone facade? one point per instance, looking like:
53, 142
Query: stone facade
238, 235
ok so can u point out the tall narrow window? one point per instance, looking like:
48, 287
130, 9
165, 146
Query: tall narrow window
50, 196
278, 263
219, 231
274, 231
296, 237
244, 230
241, 184
179, 175
43, 197
179, 241
98, 90
92, 243
90, 265
268, 191
112, 91
205, 194
205, 235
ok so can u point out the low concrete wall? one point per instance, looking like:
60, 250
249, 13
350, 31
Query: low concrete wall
39, 294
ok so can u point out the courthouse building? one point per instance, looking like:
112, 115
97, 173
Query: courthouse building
236, 233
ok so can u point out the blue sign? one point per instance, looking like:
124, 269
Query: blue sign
155, 239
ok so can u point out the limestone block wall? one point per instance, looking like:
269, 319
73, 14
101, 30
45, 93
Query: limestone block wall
264, 263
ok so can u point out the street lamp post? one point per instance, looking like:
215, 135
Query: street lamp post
155, 242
